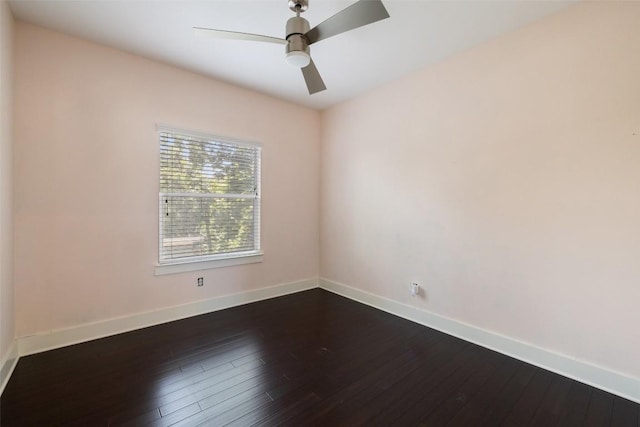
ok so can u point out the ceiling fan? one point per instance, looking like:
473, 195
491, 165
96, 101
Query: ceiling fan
299, 36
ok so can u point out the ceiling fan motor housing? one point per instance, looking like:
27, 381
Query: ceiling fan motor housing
296, 28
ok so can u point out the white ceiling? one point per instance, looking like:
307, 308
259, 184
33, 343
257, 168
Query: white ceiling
419, 33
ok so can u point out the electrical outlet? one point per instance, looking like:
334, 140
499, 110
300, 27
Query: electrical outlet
415, 289
200, 281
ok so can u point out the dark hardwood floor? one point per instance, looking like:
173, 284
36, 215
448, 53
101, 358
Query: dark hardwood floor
308, 359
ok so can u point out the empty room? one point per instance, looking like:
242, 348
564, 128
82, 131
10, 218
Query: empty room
319, 213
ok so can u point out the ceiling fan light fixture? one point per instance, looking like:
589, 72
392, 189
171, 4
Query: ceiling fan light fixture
298, 58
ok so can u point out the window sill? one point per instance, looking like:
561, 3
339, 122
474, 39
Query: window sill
182, 267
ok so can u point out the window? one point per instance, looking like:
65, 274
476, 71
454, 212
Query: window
209, 198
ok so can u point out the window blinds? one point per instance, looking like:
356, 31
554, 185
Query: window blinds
209, 198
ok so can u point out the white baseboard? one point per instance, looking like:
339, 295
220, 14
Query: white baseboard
596, 376
8, 364
90, 331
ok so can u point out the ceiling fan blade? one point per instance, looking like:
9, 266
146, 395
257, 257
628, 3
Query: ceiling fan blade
222, 34
361, 13
313, 79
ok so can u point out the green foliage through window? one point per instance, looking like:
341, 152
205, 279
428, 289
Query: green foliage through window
209, 197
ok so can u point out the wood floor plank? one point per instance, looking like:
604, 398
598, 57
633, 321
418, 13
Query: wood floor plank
508, 397
448, 408
307, 359
575, 408
350, 398
624, 413
535, 392
386, 408
600, 409
132, 418
176, 416
293, 398
232, 409
550, 410
476, 409
437, 389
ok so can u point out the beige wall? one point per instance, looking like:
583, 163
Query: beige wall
86, 181
6, 186
506, 181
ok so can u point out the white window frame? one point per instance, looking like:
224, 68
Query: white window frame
204, 262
